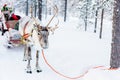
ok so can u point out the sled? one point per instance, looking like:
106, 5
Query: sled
11, 24
13, 36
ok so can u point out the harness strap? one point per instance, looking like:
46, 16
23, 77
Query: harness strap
25, 35
25, 27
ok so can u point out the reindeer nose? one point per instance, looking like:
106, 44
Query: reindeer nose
45, 41
45, 47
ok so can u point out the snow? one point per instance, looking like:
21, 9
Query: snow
71, 52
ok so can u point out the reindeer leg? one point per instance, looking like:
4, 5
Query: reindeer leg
38, 69
29, 67
25, 53
29, 58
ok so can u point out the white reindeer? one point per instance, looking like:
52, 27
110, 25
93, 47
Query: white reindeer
37, 36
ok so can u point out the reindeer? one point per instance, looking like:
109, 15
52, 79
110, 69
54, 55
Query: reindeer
37, 36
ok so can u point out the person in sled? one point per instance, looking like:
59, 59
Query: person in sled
5, 8
5, 11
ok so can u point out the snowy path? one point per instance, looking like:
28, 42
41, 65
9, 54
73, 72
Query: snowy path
70, 52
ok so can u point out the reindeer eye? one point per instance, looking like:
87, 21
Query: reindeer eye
38, 33
47, 33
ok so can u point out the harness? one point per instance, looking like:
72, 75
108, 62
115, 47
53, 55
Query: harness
24, 38
25, 35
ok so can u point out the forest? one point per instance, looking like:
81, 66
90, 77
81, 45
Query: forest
84, 46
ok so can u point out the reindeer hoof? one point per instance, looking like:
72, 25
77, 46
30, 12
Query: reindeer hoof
39, 71
24, 60
8, 47
29, 72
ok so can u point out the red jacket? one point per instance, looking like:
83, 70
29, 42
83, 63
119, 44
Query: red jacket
14, 17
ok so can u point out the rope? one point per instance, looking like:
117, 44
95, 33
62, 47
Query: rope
79, 76
59, 72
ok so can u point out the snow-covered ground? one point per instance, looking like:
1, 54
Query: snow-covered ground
71, 52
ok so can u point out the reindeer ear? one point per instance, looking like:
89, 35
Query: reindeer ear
48, 28
39, 27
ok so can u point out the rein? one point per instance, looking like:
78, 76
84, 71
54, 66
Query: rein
25, 27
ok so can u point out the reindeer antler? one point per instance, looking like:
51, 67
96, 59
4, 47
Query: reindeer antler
31, 10
56, 26
34, 20
56, 9
37, 25
32, 17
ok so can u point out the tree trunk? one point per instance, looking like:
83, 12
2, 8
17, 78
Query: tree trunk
35, 8
40, 9
86, 16
96, 17
65, 10
26, 7
46, 10
115, 52
102, 15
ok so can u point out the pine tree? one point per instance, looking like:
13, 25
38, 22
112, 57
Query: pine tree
35, 8
115, 52
40, 9
27, 7
96, 15
65, 15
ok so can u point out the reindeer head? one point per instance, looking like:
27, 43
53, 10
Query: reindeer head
43, 31
43, 34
